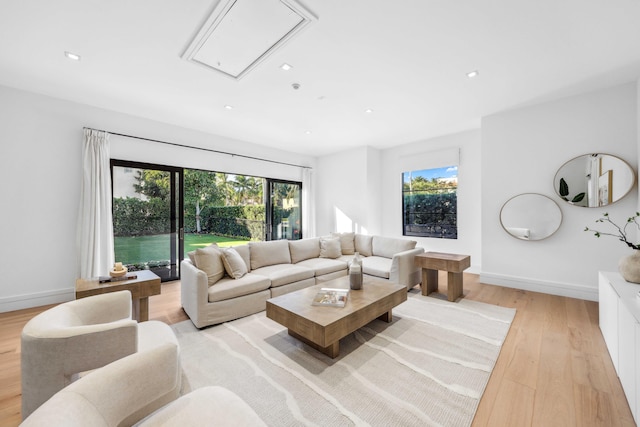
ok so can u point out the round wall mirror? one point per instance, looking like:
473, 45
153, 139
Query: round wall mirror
594, 180
530, 216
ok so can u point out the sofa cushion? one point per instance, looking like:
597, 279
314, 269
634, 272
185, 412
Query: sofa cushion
323, 266
389, 246
272, 252
330, 247
283, 274
346, 242
304, 249
228, 288
363, 244
244, 252
233, 263
209, 260
377, 266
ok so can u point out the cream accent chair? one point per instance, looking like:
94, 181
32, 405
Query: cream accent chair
128, 390
80, 336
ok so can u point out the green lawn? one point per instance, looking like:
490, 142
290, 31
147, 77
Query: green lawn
132, 250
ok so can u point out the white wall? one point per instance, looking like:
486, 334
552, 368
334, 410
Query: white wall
521, 152
469, 194
40, 172
348, 196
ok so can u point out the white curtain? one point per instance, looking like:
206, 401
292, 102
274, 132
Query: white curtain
95, 221
308, 204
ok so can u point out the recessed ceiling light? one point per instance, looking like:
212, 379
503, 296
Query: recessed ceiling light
229, 107
472, 74
368, 110
72, 56
286, 66
308, 132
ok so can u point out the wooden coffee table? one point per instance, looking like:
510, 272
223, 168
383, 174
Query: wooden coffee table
323, 327
145, 285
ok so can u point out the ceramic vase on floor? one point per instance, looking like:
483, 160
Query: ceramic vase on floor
629, 267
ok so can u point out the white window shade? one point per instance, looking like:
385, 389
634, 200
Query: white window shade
430, 159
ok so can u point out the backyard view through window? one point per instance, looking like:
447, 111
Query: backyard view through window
151, 207
429, 203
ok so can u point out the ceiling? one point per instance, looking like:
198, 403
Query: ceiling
407, 60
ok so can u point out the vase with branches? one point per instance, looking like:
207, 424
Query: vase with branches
629, 266
621, 231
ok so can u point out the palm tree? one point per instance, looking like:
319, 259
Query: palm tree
225, 185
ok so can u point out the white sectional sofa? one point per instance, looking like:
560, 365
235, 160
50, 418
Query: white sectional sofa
219, 285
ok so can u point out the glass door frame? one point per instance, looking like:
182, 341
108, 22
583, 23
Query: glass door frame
270, 182
176, 208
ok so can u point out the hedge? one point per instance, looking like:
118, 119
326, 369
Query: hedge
135, 217
234, 221
431, 215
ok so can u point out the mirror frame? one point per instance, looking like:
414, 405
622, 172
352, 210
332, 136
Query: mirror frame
527, 239
557, 181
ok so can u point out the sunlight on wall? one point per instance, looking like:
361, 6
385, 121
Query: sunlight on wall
346, 224
342, 221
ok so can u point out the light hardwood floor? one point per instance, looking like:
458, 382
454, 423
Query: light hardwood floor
554, 368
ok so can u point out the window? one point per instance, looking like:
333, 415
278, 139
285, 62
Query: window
429, 203
162, 213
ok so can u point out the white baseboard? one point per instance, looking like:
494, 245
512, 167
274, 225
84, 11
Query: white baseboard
570, 290
37, 299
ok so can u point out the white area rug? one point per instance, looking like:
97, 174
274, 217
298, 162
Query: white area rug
429, 366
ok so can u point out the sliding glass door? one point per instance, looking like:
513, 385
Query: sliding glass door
160, 213
147, 219
283, 214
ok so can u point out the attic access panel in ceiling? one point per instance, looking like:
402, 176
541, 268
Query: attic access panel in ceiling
240, 34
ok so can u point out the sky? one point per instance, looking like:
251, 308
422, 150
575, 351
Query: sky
428, 174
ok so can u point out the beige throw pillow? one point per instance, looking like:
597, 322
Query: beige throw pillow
363, 244
330, 248
209, 260
346, 242
233, 263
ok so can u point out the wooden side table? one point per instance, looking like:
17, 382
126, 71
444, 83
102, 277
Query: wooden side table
145, 285
454, 264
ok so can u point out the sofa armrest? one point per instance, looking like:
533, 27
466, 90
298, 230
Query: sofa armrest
102, 308
403, 270
194, 292
120, 393
203, 405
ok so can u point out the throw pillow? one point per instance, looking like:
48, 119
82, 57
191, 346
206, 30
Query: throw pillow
330, 248
209, 260
363, 244
346, 242
233, 263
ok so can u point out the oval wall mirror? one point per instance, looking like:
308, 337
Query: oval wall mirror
530, 216
594, 180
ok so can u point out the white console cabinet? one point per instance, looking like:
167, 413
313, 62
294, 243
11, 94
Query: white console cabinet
619, 308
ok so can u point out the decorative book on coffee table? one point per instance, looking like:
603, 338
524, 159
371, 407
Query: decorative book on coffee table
331, 297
